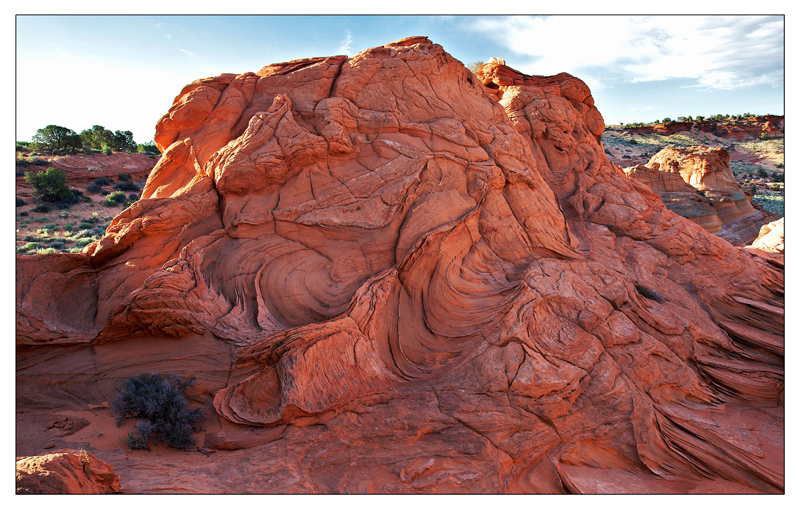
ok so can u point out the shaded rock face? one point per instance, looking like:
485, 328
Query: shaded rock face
65, 472
699, 185
391, 275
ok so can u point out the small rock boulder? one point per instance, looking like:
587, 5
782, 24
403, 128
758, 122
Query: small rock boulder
66, 471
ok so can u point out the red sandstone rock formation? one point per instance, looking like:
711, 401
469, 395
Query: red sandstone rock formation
390, 275
746, 128
699, 184
65, 472
81, 170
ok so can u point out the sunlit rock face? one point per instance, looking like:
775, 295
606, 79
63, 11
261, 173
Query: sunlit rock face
698, 184
391, 275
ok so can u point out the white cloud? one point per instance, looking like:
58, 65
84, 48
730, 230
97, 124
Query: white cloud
187, 52
168, 36
719, 52
346, 46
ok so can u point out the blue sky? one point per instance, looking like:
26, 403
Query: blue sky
123, 72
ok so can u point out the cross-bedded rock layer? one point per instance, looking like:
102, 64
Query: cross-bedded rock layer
392, 275
698, 184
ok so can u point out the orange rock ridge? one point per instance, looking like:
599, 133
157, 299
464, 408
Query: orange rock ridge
390, 275
698, 183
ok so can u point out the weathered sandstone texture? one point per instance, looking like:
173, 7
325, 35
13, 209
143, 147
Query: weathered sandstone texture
390, 275
65, 472
770, 238
698, 184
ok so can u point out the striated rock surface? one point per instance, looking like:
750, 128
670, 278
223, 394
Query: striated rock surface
770, 237
699, 185
65, 472
391, 275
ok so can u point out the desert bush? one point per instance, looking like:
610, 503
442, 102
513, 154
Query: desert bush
93, 188
20, 202
474, 67
162, 408
775, 187
123, 177
126, 186
763, 136
106, 150
133, 196
49, 185
103, 181
105, 192
83, 242
753, 189
23, 214
42, 208
114, 199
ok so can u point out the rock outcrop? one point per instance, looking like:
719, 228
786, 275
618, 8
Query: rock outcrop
746, 128
65, 472
770, 237
699, 185
390, 275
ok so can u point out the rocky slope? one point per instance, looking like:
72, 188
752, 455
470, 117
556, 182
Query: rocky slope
389, 275
698, 184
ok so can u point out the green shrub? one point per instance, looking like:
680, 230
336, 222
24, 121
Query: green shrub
106, 150
162, 408
133, 196
126, 186
49, 185
42, 208
85, 225
103, 181
124, 177
83, 242
114, 199
93, 188
20, 202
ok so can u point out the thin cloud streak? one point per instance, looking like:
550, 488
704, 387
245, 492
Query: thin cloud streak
347, 44
187, 52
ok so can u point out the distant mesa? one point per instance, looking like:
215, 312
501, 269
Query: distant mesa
388, 274
698, 184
